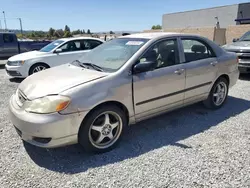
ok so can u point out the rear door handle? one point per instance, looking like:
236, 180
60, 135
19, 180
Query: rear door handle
179, 71
213, 63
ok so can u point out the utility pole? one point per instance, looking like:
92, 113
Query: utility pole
0, 25
21, 26
4, 20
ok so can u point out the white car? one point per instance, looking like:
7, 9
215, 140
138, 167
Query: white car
59, 52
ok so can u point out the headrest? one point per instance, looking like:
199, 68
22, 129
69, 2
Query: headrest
198, 48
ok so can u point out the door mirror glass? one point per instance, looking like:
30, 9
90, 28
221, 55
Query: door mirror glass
144, 67
58, 50
235, 40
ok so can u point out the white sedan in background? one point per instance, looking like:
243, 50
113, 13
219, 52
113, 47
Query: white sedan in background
59, 52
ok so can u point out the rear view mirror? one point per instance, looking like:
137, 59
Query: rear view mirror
235, 40
58, 50
144, 67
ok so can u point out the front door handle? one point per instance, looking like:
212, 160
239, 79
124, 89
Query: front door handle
179, 71
213, 63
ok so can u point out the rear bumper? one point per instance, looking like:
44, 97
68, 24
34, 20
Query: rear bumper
233, 77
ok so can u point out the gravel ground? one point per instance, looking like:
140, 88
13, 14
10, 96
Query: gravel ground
192, 147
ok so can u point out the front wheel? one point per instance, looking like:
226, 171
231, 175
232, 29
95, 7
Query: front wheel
37, 68
102, 129
218, 94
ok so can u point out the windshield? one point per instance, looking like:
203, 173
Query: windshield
111, 55
51, 46
245, 37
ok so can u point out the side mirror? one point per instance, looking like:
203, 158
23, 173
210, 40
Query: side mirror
235, 40
144, 67
58, 50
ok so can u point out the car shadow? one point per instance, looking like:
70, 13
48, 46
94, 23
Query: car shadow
2, 66
244, 77
16, 80
165, 130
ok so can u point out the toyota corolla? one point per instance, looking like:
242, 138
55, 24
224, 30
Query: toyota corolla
119, 83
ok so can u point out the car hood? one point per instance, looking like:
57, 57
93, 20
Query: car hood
240, 45
27, 55
56, 80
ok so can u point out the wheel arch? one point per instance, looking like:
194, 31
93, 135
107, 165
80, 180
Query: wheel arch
115, 103
38, 63
224, 76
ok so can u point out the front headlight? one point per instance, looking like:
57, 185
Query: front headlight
48, 104
15, 63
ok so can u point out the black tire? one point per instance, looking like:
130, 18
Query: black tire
85, 136
33, 67
209, 102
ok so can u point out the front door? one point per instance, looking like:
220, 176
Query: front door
10, 45
162, 88
201, 68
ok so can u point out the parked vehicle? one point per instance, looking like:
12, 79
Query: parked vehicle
119, 83
241, 47
9, 45
56, 53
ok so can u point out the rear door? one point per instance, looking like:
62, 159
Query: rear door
200, 63
10, 45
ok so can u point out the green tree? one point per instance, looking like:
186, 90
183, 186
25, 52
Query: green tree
155, 27
88, 31
83, 31
58, 33
32, 35
77, 32
111, 32
51, 32
66, 28
67, 34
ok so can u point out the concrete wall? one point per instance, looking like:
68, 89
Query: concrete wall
201, 18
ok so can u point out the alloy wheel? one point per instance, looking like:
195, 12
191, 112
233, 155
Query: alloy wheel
105, 130
39, 68
220, 93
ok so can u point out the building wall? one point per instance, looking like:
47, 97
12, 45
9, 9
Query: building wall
202, 18
219, 36
236, 32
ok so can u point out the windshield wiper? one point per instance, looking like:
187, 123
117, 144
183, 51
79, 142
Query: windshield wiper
94, 66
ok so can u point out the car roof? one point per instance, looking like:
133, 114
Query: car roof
79, 38
153, 35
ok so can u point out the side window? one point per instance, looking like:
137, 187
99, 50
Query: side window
71, 46
90, 44
8, 38
196, 50
165, 54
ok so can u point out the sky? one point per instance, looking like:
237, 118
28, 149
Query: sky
96, 15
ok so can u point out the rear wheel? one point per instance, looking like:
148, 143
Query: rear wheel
102, 129
218, 94
37, 68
